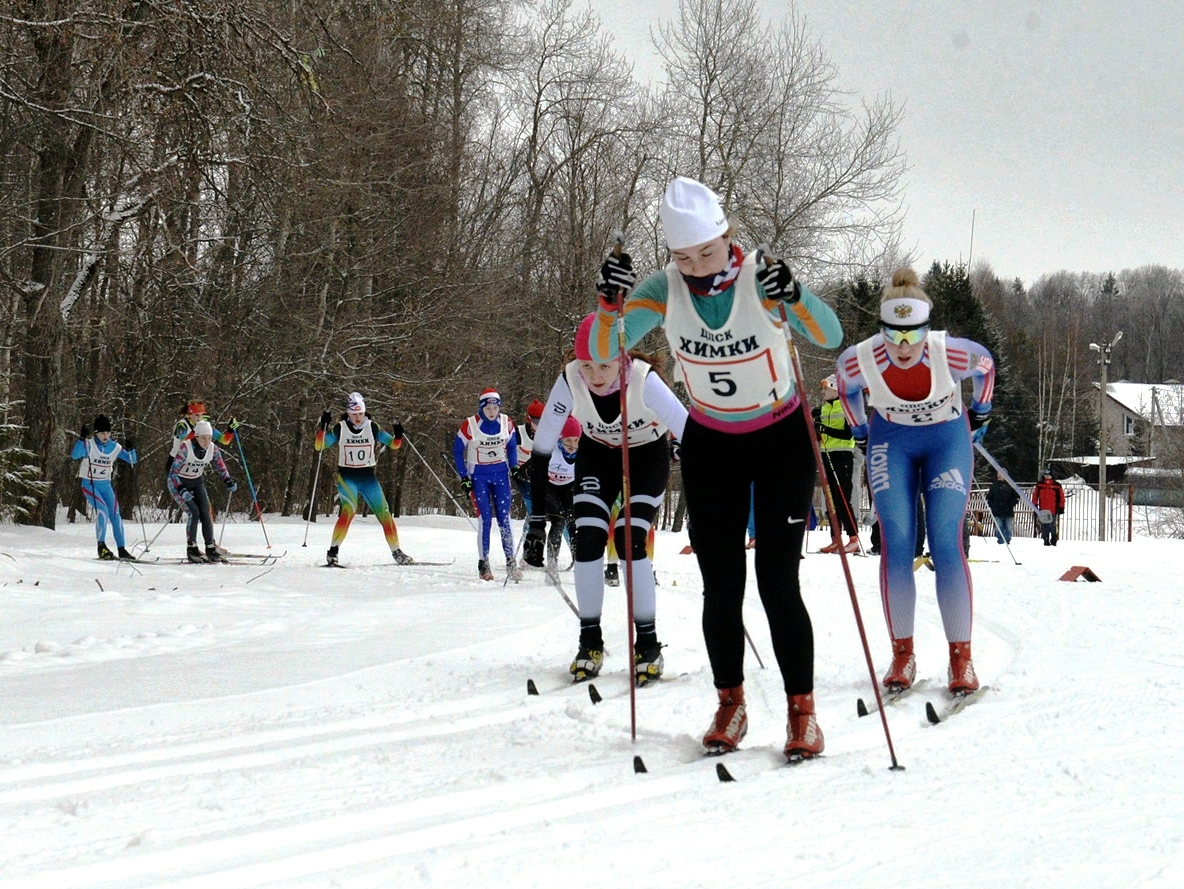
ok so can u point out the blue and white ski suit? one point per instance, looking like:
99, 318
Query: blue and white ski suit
96, 471
485, 451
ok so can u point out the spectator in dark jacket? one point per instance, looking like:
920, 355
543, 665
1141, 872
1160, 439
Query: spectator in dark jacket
1002, 500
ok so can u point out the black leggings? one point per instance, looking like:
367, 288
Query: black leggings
562, 517
839, 466
598, 482
199, 512
718, 471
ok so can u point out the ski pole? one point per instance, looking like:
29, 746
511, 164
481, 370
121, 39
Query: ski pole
225, 516
238, 440
312, 498
626, 487
443, 487
843, 497
1044, 515
999, 533
139, 505
831, 513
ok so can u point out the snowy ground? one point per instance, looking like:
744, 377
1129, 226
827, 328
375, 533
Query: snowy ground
218, 726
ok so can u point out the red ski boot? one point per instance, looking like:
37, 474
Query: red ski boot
962, 678
904, 665
730, 724
804, 737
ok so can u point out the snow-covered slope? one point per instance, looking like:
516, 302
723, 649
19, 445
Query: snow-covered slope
288, 725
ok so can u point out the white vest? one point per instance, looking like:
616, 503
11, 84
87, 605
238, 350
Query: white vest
96, 465
942, 404
356, 450
644, 425
559, 471
484, 448
741, 367
194, 467
525, 444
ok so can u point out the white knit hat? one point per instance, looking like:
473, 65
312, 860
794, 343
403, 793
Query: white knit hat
355, 404
691, 214
203, 427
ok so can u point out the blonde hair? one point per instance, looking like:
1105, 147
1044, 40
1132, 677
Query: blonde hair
905, 286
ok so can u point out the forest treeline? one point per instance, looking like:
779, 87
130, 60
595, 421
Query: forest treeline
268, 205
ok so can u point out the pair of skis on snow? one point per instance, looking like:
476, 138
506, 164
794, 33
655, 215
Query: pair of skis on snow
950, 706
412, 564
228, 558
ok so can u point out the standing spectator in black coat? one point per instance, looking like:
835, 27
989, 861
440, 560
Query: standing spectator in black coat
1002, 500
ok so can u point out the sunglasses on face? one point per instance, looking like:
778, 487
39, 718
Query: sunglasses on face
899, 337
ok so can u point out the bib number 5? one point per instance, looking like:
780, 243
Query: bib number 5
722, 383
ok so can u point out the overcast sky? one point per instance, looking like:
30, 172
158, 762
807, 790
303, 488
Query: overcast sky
1058, 126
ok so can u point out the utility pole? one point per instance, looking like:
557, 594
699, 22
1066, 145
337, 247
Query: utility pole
1104, 361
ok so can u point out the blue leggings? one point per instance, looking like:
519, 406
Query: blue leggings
937, 460
491, 496
101, 496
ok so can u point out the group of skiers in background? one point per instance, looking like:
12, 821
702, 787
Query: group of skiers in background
594, 459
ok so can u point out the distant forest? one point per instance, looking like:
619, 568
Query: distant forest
267, 205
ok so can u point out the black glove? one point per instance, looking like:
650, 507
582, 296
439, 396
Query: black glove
675, 451
129, 444
466, 485
532, 546
861, 443
978, 425
326, 420
233, 423
397, 430
84, 432
1061, 511
231, 486
779, 282
616, 277
519, 474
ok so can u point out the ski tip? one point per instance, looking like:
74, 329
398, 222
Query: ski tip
931, 713
861, 707
721, 772
531, 688
594, 694
638, 766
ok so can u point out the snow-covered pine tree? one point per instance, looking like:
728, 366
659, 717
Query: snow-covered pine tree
21, 484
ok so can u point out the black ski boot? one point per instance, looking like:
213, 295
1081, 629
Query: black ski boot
125, 556
212, 554
105, 554
331, 557
193, 554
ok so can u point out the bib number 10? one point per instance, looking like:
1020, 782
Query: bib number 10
357, 456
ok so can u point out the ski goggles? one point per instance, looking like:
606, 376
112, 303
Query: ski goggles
898, 336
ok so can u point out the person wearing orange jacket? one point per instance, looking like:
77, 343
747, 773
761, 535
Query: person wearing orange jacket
1048, 496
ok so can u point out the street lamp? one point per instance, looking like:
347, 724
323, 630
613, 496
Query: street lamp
1104, 361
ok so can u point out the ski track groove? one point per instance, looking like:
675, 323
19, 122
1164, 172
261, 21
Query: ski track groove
331, 844
27, 783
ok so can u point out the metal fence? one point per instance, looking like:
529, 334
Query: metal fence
1080, 521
